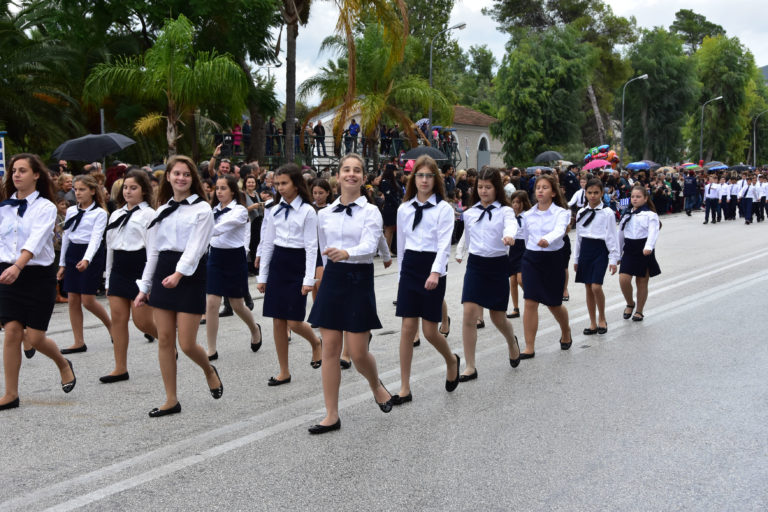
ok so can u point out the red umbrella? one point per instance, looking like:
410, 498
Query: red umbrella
596, 164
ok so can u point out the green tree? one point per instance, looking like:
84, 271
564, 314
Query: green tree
475, 82
693, 28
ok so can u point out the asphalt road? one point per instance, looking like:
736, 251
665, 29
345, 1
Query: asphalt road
667, 414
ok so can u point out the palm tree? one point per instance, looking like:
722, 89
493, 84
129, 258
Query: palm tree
172, 72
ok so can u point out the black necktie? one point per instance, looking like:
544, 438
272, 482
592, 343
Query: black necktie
21, 203
123, 221
165, 213
221, 212
628, 216
747, 190
420, 212
592, 212
76, 219
519, 220
348, 208
284, 207
485, 210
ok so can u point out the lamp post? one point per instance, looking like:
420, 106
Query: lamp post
701, 134
624, 89
459, 26
754, 138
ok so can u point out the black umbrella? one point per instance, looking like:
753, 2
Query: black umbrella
532, 170
548, 156
92, 147
416, 152
740, 168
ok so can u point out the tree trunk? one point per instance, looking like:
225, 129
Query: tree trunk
195, 137
256, 150
598, 118
290, 90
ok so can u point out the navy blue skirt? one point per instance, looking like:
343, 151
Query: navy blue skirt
127, 267
486, 282
346, 300
593, 261
413, 300
543, 277
283, 298
30, 299
565, 251
88, 281
188, 296
635, 263
227, 272
515, 256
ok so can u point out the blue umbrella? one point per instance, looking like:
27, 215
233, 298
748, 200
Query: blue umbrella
638, 166
721, 167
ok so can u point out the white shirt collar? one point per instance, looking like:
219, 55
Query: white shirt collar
30, 198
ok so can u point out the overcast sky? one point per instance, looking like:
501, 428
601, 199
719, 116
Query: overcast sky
744, 19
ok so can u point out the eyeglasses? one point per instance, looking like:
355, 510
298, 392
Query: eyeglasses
424, 175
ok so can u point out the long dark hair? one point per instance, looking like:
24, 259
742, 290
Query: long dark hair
438, 188
323, 184
293, 171
90, 182
648, 199
237, 195
165, 191
559, 200
142, 180
44, 184
494, 176
522, 196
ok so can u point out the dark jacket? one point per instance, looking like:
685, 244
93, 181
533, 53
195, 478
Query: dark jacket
690, 187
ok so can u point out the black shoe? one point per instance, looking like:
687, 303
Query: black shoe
69, 386
515, 362
566, 298
316, 364
523, 355
638, 317
149, 338
589, 332
417, 343
630, 307
481, 324
322, 429
29, 354
202, 321
213, 356
514, 314
345, 365
275, 382
445, 334
217, 392
705, 222
602, 330
75, 350
688, 212
565, 346
256, 346
466, 378
226, 312
394, 303
385, 406
156, 413
400, 400
451, 385
13, 404
109, 379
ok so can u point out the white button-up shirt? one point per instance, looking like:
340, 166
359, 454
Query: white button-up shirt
90, 231
231, 229
549, 224
297, 230
131, 236
358, 234
640, 225
433, 234
750, 191
602, 227
486, 237
712, 191
33, 232
579, 198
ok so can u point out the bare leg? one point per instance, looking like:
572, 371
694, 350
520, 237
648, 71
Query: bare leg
445, 319
642, 292
319, 278
76, 319
143, 319
597, 291
513, 291
441, 345
90, 303
345, 351
469, 335
365, 364
188, 325
591, 306
499, 319
121, 310
561, 315
280, 330
48, 348
625, 282
409, 327
530, 325
565, 289
304, 330
331, 374
240, 309
212, 305
14, 333
166, 353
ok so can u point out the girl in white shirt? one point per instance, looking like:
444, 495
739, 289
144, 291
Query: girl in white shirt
520, 203
84, 257
638, 231
228, 263
595, 250
424, 228
27, 274
173, 281
126, 257
287, 266
544, 276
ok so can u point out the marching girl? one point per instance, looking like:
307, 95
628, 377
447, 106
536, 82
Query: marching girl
542, 267
489, 227
84, 257
173, 282
349, 232
27, 274
638, 232
520, 204
287, 266
321, 195
424, 229
595, 250
228, 263
126, 257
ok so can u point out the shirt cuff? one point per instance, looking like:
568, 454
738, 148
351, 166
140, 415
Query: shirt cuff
308, 282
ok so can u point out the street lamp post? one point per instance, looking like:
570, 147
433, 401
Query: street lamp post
459, 26
641, 77
754, 138
701, 134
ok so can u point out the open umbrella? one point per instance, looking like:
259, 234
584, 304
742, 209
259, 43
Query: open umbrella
548, 156
652, 164
531, 170
596, 164
92, 147
665, 170
713, 163
638, 166
720, 167
740, 168
416, 152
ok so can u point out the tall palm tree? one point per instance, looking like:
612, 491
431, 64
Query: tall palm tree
173, 72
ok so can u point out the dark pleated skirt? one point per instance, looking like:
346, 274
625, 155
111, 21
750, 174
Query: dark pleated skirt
188, 296
30, 299
565, 252
543, 277
413, 300
283, 298
127, 267
346, 300
516, 256
88, 281
635, 263
227, 272
486, 282
593, 261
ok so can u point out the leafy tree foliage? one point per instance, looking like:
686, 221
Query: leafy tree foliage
693, 28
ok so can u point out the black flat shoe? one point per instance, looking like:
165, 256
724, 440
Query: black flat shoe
109, 379
202, 321
149, 338
13, 404
446, 333
75, 350
275, 382
481, 324
451, 385
630, 307
400, 400
565, 346
217, 392
566, 298
345, 365
638, 317
602, 330
29, 354
514, 314
69, 386
213, 356
226, 312
316, 364
466, 378
322, 429
256, 346
589, 332
523, 355
417, 342
515, 362
156, 413
385, 406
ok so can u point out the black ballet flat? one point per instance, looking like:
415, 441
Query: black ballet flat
523, 355
29, 354
515, 362
13, 404
226, 312
638, 317
445, 334
385, 406
275, 382
466, 378
589, 332
602, 330
481, 324
316, 364
345, 365
322, 429
417, 343
217, 392
156, 413
514, 314
202, 321
566, 298
75, 350
69, 386
565, 346
451, 385
213, 356
149, 338
109, 379
256, 346
400, 400
394, 303
630, 307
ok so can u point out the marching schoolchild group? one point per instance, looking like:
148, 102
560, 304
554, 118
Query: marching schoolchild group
726, 195
170, 257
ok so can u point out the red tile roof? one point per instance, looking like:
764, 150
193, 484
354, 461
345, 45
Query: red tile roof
465, 115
